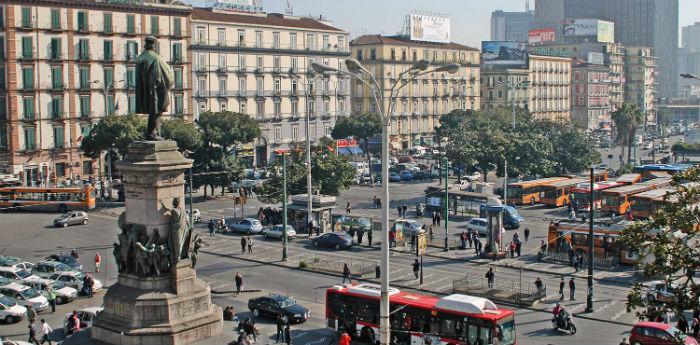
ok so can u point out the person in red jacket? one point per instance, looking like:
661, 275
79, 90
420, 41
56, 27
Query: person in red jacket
98, 260
344, 339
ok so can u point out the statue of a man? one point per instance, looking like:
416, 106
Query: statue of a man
154, 78
179, 237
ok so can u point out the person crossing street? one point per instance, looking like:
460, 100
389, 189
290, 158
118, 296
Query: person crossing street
572, 289
46, 332
239, 283
416, 268
98, 261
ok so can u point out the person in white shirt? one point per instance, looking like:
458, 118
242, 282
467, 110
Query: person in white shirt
46, 331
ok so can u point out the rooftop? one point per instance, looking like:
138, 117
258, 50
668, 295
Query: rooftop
266, 19
400, 40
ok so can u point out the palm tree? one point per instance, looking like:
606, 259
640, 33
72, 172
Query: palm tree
626, 120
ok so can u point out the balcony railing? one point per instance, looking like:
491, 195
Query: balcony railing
331, 48
57, 115
26, 56
85, 115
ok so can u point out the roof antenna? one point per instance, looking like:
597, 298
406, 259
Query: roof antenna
289, 11
527, 5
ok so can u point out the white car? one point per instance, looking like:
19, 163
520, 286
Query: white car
480, 225
11, 311
659, 291
17, 264
64, 294
74, 279
86, 316
17, 274
409, 227
475, 176
276, 232
25, 296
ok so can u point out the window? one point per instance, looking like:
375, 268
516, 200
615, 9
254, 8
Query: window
107, 52
177, 52
108, 81
242, 83
221, 35
55, 49
222, 86
84, 78
85, 106
293, 40
2, 18
155, 30
55, 19
83, 49
295, 64
275, 40
295, 108
241, 38
277, 86
132, 50
2, 42
177, 27
130, 24
392, 54
110, 105
180, 105
241, 62
58, 138
326, 42
28, 107
310, 44
30, 138
373, 54
28, 78
260, 109
295, 131
107, 22
310, 107
131, 77
3, 108
341, 43
242, 106
27, 47
258, 39
277, 109
26, 17
131, 103
60, 169
178, 77
57, 77
82, 21
3, 138
359, 55
276, 64
87, 165
259, 62
259, 84
278, 133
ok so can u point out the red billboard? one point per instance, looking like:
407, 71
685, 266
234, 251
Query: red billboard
541, 36
346, 143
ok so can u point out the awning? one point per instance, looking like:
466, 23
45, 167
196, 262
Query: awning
355, 150
344, 151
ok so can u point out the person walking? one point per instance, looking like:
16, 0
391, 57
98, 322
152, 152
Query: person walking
463, 240
431, 235
576, 265
347, 208
416, 268
469, 237
682, 324
346, 273
311, 228
210, 225
51, 296
344, 339
404, 208
360, 234
222, 224
392, 239
438, 218
527, 233
518, 247
280, 328
32, 335
572, 289
288, 334
478, 246
46, 332
561, 288
695, 327
31, 314
398, 208
490, 276
243, 243
512, 249
239, 283
98, 261
250, 244
434, 218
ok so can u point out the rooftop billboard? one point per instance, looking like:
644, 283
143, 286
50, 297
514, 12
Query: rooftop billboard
541, 36
430, 28
504, 53
602, 30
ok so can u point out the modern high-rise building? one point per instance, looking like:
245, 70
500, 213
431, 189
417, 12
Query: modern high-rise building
259, 64
551, 13
690, 37
689, 60
66, 64
511, 26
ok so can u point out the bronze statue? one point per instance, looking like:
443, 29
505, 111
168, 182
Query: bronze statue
143, 260
154, 78
179, 239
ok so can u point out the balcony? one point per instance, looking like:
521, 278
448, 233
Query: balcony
277, 70
83, 57
130, 57
176, 60
241, 70
58, 87
85, 115
293, 70
222, 94
318, 49
27, 25
27, 88
259, 70
108, 59
84, 87
25, 56
201, 94
222, 70
29, 117
200, 69
57, 115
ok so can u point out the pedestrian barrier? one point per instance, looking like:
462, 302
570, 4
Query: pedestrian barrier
564, 259
502, 292
327, 263
452, 243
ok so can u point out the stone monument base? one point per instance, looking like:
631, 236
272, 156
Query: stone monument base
148, 311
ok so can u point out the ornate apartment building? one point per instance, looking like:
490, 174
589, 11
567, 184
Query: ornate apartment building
550, 87
259, 64
641, 86
591, 96
65, 64
420, 103
501, 87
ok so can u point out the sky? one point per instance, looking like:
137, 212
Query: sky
470, 18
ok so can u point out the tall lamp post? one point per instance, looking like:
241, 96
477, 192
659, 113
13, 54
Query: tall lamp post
589, 295
384, 98
105, 91
284, 207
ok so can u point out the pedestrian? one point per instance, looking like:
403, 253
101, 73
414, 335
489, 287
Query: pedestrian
561, 288
518, 247
346, 273
243, 243
374, 201
46, 332
538, 284
490, 277
469, 237
280, 328
392, 238
572, 215
438, 219
576, 265
31, 314
360, 234
624, 341
398, 208
463, 239
222, 224
431, 235
696, 327
347, 208
210, 225
414, 240
98, 260
239, 282
74, 254
310, 228
527, 233
416, 268
404, 208
51, 296
379, 203
288, 334
344, 338
682, 324
543, 247
90, 284
478, 246
369, 238
75, 322
512, 249
572, 289
434, 218
250, 244
32, 335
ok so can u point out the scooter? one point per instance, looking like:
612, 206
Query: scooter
420, 210
564, 322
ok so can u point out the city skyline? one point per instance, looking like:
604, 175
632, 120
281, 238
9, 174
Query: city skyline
376, 20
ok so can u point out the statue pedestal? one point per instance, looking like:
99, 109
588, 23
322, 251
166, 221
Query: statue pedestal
170, 309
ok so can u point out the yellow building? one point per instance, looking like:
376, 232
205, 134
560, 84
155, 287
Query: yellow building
550, 86
419, 104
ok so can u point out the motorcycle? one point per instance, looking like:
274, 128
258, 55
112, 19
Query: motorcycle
197, 215
420, 210
564, 322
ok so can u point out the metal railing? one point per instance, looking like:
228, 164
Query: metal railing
510, 292
565, 259
327, 263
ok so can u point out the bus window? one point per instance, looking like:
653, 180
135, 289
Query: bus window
507, 332
472, 334
368, 310
485, 335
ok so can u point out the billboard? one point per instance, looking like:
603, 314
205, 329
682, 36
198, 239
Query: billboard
504, 53
596, 58
606, 31
430, 28
602, 30
541, 36
239, 5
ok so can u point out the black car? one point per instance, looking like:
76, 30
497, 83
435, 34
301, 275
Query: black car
273, 305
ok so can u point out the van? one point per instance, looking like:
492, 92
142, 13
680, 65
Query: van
511, 218
361, 168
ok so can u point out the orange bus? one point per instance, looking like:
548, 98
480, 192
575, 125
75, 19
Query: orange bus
619, 200
558, 193
528, 192
60, 199
646, 203
605, 238
598, 175
629, 178
582, 194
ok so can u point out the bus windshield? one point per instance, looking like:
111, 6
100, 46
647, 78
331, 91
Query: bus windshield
515, 192
507, 329
612, 200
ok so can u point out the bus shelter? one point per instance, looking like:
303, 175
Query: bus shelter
321, 210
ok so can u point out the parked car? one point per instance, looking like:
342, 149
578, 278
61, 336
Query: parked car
64, 294
246, 226
11, 311
278, 305
658, 290
394, 177
67, 259
75, 280
406, 176
409, 227
86, 316
393, 161
24, 295
16, 274
45, 269
71, 218
657, 333
475, 176
17, 263
480, 225
337, 240
276, 232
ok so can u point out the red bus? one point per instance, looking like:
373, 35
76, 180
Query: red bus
582, 194
418, 319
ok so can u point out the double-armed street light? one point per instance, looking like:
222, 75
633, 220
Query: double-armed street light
385, 100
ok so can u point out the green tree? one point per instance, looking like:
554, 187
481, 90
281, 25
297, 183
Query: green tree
184, 133
362, 126
115, 132
667, 247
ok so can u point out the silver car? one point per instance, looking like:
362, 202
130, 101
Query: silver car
246, 226
276, 232
71, 218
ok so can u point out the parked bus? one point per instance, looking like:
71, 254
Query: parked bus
629, 179
618, 200
557, 193
598, 175
605, 237
651, 171
418, 319
529, 192
581, 193
646, 203
54, 199
9, 181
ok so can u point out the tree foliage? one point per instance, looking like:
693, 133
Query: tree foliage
116, 132
183, 132
667, 248
362, 126
227, 129
626, 120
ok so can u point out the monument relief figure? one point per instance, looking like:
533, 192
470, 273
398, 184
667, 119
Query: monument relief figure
179, 234
154, 78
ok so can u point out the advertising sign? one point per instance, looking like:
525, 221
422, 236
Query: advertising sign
422, 246
541, 36
606, 31
596, 58
504, 53
240, 5
430, 28
346, 143
602, 30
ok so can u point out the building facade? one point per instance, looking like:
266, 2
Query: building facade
640, 75
590, 91
504, 87
550, 87
66, 64
690, 36
511, 26
420, 103
259, 64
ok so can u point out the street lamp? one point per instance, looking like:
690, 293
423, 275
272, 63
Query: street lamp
384, 98
105, 90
